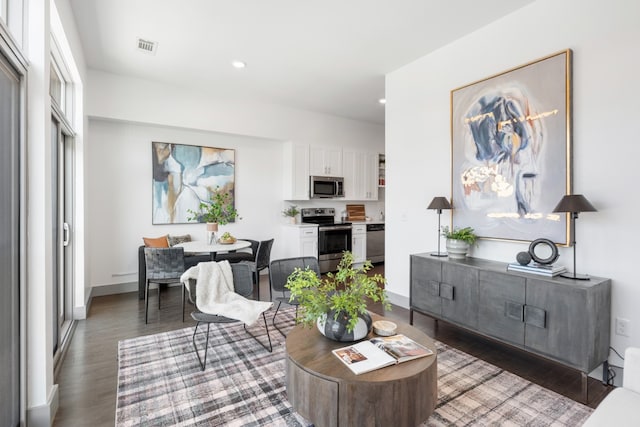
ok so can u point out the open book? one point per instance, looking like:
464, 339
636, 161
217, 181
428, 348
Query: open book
379, 352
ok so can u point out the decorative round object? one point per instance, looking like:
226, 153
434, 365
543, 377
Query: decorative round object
336, 329
457, 249
384, 328
523, 258
543, 251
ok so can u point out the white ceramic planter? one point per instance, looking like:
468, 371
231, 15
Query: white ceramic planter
457, 249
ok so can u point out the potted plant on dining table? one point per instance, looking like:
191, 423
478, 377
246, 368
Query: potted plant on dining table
218, 210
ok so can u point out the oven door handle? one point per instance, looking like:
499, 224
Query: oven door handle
335, 227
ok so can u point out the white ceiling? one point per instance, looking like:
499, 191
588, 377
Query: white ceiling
328, 56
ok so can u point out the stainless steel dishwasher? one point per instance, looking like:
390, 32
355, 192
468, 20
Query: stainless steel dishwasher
375, 242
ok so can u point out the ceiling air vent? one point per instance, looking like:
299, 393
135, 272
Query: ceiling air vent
147, 46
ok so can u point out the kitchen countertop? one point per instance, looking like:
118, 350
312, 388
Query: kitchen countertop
306, 224
300, 225
373, 221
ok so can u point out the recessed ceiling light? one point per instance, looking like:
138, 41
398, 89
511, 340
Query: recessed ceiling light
382, 101
238, 64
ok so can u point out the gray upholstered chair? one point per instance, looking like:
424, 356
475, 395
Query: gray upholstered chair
279, 272
163, 266
243, 285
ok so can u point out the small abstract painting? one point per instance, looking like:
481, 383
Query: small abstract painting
185, 175
511, 152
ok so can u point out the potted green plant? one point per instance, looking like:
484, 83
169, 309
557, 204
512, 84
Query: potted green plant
458, 241
337, 302
291, 212
218, 210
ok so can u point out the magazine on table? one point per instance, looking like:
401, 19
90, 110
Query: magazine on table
379, 352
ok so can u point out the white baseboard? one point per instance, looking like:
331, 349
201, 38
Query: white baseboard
117, 288
43, 415
399, 300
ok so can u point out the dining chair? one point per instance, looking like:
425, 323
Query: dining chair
240, 255
242, 285
279, 272
163, 266
261, 262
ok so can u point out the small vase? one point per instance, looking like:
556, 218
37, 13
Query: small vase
212, 229
457, 249
293, 220
336, 329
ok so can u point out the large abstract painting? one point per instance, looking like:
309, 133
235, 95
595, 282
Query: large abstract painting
185, 175
511, 152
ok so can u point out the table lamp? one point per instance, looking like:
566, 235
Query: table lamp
439, 203
574, 204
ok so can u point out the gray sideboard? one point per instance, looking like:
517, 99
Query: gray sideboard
564, 320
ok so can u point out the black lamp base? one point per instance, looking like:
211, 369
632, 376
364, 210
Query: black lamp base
575, 276
439, 254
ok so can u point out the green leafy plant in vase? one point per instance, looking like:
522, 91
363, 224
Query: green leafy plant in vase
337, 303
458, 241
291, 212
218, 210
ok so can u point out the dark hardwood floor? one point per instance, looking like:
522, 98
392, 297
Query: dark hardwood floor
87, 378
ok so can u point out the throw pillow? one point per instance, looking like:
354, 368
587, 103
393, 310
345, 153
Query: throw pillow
156, 242
174, 240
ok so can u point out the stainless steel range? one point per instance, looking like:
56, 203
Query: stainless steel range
333, 237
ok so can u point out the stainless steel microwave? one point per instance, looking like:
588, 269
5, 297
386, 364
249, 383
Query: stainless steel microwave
326, 187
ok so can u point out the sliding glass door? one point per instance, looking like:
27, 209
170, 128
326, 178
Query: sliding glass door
61, 192
10, 357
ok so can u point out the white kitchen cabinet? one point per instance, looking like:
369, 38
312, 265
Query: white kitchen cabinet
296, 171
359, 243
360, 175
300, 240
325, 161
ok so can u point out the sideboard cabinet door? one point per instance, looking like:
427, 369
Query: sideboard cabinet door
563, 336
501, 306
426, 275
459, 294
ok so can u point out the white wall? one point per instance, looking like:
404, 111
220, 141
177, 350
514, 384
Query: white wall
128, 114
120, 192
603, 37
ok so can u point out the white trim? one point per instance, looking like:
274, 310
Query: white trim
11, 48
118, 288
4, 10
399, 300
43, 415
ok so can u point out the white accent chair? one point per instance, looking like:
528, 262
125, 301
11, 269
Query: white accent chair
620, 407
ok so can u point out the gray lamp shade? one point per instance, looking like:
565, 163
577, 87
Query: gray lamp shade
439, 203
574, 203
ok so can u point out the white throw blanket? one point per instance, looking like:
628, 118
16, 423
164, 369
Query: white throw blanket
215, 294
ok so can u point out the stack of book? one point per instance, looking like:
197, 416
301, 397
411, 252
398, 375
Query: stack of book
544, 270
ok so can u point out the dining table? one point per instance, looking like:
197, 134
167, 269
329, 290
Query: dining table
197, 247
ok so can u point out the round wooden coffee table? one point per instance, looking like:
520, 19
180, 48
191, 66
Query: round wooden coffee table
325, 391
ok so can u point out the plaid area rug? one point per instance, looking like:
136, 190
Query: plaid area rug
160, 384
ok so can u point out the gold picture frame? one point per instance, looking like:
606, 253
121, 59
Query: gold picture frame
511, 152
